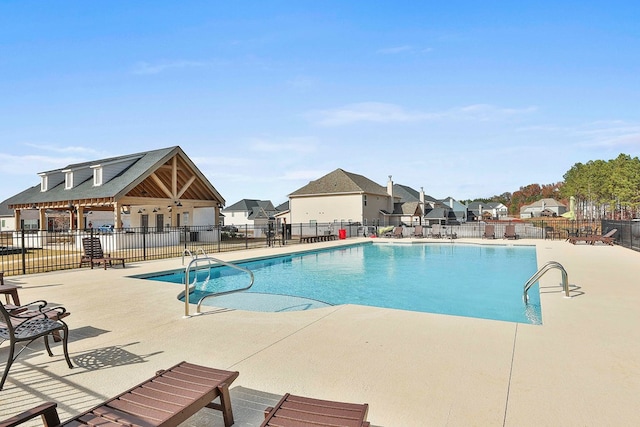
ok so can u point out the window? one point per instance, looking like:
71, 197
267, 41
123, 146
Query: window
44, 182
68, 180
97, 177
364, 199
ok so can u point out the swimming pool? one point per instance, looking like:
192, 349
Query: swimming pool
484, 281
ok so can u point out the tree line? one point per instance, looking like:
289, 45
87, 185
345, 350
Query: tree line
602, 189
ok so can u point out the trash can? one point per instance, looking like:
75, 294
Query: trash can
342, 234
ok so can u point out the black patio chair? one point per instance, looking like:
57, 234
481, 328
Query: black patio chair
26, 323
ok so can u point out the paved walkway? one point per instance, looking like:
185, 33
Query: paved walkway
580, 368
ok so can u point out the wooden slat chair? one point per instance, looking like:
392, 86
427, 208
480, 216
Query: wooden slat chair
510, 232
26, 324
303, 411
168, 399
489, 232
94, 255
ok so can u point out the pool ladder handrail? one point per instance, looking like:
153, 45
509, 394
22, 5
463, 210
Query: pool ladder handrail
194, 262
548, 266
186, 251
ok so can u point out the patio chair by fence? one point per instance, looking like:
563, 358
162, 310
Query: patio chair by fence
94, 255
510, 232
489, 232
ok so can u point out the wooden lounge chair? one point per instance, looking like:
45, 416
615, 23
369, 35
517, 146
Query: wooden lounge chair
489, 231
94, 255
26, 324
436, 233
418, 232
606, 238
166, 400
303, 411
510, 232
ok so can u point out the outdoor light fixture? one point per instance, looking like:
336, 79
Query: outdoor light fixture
140, 210
179, 204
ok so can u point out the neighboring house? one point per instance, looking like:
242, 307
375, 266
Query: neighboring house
543, 207
486, 210
150, 189
345, 197
283, 213
342, 196
457, 211
7, 219
251, 212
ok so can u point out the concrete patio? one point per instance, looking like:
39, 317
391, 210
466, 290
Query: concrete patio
580, 368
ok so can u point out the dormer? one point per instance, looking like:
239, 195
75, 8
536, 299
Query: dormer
76, 176
97, 175
50, 179
68, 180
105, 171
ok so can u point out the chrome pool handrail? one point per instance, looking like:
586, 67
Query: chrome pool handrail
548, 266
209, 260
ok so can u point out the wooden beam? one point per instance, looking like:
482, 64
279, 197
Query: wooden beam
186, 186
164, 189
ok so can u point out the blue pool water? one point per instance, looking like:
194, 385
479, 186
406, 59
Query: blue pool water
464, 280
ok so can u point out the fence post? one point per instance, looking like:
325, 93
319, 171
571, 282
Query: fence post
246, 236
24, 250
144, 245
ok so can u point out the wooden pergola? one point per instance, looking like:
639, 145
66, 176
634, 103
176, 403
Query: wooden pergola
174, 184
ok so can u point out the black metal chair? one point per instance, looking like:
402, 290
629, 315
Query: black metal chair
26, 323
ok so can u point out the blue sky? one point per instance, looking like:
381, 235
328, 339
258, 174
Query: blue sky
466, 99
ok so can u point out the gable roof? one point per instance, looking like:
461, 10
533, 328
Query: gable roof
141, 175
406, 193
409, 208
246, 205
340, 182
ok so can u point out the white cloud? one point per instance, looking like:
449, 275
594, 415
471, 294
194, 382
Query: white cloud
486, 112
149, 68
379, 112
84, 151
376, 112
611, 134
296, 145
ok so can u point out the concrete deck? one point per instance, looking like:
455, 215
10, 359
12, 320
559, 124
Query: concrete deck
580, 368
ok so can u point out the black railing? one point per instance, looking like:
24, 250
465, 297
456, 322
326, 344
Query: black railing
39, 251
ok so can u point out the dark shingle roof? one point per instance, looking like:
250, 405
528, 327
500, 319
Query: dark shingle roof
341, 181
142, 164
247, 205
406, 194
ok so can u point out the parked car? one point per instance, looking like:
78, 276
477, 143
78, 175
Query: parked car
106, 228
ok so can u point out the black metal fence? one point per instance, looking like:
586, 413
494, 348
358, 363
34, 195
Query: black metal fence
38, 251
